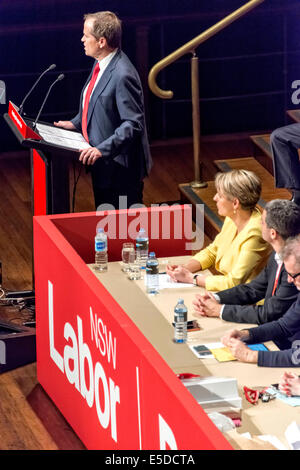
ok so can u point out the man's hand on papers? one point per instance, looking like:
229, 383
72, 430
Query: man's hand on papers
241, 352
90, 155
206, 305
234, 340
242, 335
65, 125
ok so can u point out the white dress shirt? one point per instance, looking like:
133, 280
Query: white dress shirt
103, 63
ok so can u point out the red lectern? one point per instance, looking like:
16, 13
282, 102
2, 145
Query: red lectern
49, 166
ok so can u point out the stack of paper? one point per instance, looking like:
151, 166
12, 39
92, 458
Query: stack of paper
212, 350
63, 137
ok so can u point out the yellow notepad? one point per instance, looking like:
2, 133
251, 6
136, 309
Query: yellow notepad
223, 354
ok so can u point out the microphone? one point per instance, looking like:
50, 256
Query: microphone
33, 87
2, 92
60, 77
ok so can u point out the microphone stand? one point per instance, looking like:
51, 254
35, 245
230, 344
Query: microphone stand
60, 77
28, 297
33, 87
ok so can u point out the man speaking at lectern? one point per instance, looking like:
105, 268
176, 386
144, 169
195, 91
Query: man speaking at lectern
111, 116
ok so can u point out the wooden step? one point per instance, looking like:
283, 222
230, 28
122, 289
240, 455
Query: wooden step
263, 143
269, 192
262, 151
294, 114
212, 221
262, 148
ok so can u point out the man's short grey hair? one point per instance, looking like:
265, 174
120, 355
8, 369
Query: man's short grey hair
292, 248
106, 24
284, 217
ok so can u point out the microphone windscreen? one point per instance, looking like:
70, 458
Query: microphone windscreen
52, 67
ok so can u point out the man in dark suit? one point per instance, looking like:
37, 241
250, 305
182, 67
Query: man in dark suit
286, 330
280, 220
111, 116
285, 142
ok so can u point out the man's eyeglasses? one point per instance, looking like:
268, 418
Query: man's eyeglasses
293, 276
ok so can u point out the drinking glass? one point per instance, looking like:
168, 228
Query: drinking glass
127, 248
134, 272
163, 263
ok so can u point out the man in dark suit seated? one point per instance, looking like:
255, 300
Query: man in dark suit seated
285, 331
285, 142
280, 220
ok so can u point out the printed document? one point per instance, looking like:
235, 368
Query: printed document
65, 138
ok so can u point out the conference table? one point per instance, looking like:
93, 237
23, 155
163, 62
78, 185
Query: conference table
153, 315
105, 350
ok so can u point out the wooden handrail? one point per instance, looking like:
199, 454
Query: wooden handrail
190, 47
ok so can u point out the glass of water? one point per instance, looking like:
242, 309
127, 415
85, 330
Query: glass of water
134, 273
127, 248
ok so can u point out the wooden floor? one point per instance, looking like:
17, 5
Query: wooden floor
28, 419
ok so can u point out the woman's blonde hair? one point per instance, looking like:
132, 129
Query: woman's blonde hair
243, 185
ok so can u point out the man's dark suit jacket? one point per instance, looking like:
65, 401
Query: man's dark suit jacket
285, 330
239, 300
116, 124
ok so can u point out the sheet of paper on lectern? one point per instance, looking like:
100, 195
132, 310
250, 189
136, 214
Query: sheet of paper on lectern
63, 137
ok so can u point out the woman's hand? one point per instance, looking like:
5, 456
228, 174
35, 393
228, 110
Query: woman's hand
179, 274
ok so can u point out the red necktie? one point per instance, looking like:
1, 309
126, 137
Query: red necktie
86, 101
277, 278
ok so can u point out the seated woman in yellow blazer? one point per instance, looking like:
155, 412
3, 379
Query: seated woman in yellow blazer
238, 252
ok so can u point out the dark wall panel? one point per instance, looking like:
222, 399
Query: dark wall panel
246, 71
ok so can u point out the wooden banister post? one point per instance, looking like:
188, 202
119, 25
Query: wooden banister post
197, 183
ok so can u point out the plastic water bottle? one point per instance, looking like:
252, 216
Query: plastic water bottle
142, 247
101, 250
180, 322
152, 276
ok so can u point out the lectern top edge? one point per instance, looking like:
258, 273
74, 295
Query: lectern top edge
20, 124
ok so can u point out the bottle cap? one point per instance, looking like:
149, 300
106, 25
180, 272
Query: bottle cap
180, 301
100, 229
152, 254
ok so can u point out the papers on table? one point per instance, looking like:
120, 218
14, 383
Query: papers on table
268, 438
292, 435
212, 350
202, 351
165, 282
220, 352
292, 401
63, 137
